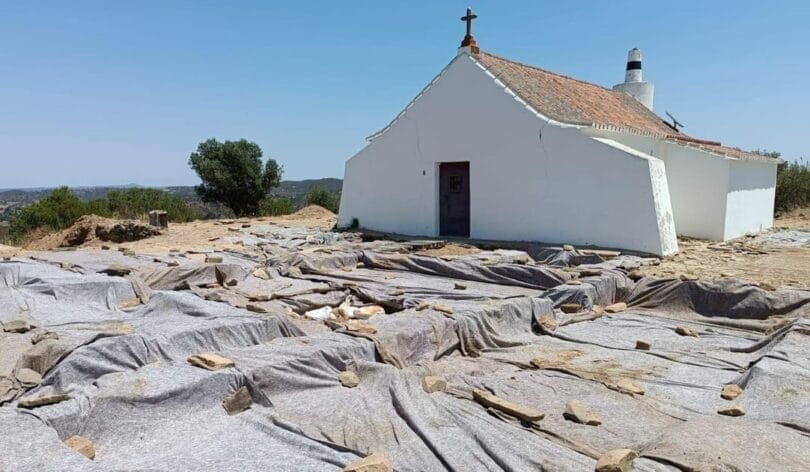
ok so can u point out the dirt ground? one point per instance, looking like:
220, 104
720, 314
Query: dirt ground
758, 259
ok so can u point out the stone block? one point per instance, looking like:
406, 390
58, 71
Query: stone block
510, 408
210, 361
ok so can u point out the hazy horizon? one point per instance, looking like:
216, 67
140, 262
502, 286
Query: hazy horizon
109, 94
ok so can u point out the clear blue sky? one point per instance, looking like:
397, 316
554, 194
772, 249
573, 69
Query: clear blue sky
103, 92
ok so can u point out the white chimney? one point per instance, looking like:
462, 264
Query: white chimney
633, 84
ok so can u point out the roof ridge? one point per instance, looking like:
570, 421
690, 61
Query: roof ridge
530, 66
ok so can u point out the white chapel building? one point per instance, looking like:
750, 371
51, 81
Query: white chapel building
498, 150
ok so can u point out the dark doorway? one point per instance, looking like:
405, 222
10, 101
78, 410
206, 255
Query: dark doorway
454, 199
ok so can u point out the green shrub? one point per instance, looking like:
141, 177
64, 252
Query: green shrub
325, 198
275, 206
136, 202
60, 209
792, 186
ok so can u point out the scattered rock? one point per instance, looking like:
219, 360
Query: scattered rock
210, 361
320, 314
261, 273
121, 249
577, 412
16, 326
731, 391
213, 259
688, 277
570, 307
81, 445
767, 286
433, 383
6, 389
568, 247
627, 386
231, 283
635, 274
42, 400
367, 311
548, 322
233, 228
734, 410
104, 247
122, 231
238, 401
422, 306
129, 303
617, 460
116, 270
447, 309
252, 307
573, 282
42, 336
510, 408
28, 377
590, 272
616, 307
459, 286
372, 463
597, 309
396, 293
172, 263
642, 345
359, 326
349, 379
686, 331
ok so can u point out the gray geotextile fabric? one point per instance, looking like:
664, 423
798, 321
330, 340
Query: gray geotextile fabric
118, 346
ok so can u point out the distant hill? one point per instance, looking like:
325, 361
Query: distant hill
295, 190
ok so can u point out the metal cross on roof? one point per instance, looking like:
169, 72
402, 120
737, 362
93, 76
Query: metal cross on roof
468, 18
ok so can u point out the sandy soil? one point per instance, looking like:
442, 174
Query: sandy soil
770, 264
754, 259
203, 235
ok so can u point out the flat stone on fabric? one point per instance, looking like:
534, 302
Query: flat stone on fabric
238, 401
731, 391
617, 460
28, 377
16, 326
210, 361
616, 308
42, 400
348, 379
81, 445
372, 463
580, 413
510, 408
433, 383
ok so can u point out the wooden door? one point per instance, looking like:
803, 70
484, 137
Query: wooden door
454, 199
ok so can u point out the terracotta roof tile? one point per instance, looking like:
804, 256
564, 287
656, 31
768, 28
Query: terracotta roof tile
570, 100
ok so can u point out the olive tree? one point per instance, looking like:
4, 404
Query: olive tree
232, 173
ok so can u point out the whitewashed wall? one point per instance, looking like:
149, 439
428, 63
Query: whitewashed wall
529, 179
712, 197
751, 193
